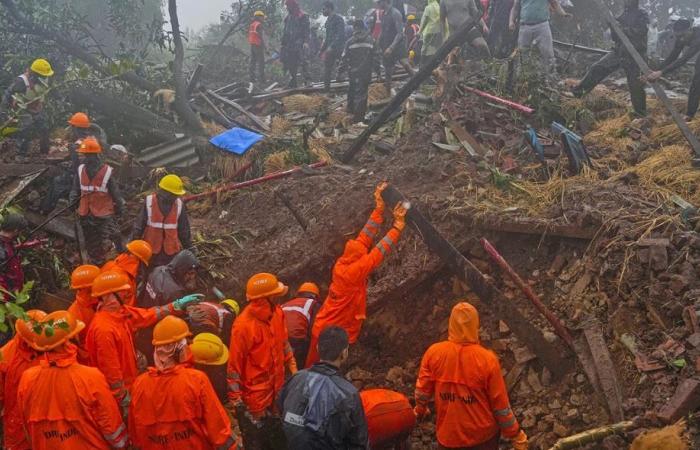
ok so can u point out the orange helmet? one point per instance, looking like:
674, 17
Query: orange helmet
90, 146
25, 329
63, 327
83, 276
109, 282
79, 120
141, 249
263, 285
170, 329
310, 288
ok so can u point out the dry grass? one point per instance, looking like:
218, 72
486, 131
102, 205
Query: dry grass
279, 126
212, 128
670, 134
669, 171
672, 437
377, 93
304, 103
610, 133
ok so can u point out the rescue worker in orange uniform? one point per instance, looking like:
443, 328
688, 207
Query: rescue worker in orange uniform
259, 353
133, 264
390, 419
257, 48
110, 337
299, 315
347, 295
17, 356
100, 200
471, 399
163, 221
80, 128
175, 406
65, 405
84, 304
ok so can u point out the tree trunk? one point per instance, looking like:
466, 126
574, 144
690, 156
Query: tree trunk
182, 105
131, 116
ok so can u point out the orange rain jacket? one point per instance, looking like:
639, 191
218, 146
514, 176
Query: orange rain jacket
347, 295
83, 309
177, 409
259, 352
471, 400
127, 264
110, 343
17, 357
65, 405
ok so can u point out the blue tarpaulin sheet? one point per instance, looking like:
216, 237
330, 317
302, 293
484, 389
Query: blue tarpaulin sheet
236, 140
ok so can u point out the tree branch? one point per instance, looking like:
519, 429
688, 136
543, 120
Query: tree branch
73, 48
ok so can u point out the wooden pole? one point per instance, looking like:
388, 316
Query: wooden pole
660, 93
455, 40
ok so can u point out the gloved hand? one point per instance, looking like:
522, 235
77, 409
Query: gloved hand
520, 441
181, 303
378, 200
400, 215
421, 412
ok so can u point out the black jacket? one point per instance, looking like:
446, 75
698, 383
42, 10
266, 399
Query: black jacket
321, 410
335, 34
163, 284
360, 54
689, 48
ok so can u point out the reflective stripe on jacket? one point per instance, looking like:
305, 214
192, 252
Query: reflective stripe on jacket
161, 231
298, 315
95, 199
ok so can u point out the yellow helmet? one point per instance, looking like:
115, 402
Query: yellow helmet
231, 303
259, 13
41, 67
410, 17
173, 184
411, 55
209, 350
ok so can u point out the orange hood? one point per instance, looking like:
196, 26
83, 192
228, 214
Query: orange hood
354, 250
464, 324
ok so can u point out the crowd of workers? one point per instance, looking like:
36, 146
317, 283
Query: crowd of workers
387, 35
121, 366
140, 358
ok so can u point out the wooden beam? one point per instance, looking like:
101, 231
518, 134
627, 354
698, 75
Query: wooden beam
426, 70
255, 119
60, 226
536, 228
606, 371
658, 89
553, 355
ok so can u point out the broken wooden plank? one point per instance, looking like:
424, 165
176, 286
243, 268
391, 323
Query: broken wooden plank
553, 355
605, 369
426, 70
20, 170
194, 79
255, 119
59, 225
658, 89
14, 188
467, 140
502, 225
685, 400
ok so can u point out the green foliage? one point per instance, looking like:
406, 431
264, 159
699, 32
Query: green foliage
11, 309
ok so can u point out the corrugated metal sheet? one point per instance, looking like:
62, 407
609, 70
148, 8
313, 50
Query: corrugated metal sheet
177, 153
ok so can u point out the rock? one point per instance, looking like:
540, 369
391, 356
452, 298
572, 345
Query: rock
588, 418
543, 426
358, 374
549, 336
560, 430
523, 355
395, 375
503, 328
575, 399
572, 414
580, 378
694, 340
546, 377
528, 422
678, 283
533, 380
581, 285
658, 257
554, 404
558, 263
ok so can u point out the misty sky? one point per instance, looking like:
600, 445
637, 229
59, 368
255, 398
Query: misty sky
196, 14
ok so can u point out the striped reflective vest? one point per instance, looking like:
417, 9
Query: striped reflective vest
161, 231
95, 199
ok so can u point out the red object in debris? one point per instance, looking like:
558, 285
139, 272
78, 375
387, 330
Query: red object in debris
390, 417
509, 103
559, 327
31, 244
272, 176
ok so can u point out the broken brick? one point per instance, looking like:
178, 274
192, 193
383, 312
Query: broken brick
685, 400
